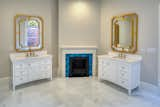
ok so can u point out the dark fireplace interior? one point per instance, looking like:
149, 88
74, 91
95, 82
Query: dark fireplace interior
79, 67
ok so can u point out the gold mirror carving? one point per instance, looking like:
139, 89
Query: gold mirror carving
28, 33
125, 33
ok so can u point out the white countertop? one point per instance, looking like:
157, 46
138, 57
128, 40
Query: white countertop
18, 58
22, 56
129, 58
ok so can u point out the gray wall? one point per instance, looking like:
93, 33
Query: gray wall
79, 23
147, 11
47, 9
159, 42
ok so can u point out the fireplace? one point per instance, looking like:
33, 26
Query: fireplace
78, 65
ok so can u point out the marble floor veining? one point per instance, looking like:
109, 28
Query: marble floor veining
75, 92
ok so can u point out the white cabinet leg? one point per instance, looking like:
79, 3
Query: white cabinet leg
129, 92
50, 79
13, 87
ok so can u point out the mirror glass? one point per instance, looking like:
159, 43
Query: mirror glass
28, 32
124, 33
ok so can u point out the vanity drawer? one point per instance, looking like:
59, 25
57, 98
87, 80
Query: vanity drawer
108, 66
48, 74
46, 61
20, 72
20, 80
106, 63
123, 67
124, 74
101, 75
19, 66
123, 82
47, 67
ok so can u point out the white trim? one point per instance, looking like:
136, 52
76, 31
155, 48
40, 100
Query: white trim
159, 45
77, 47
77, 50
4, 79
149, 87
159, 83
55, 72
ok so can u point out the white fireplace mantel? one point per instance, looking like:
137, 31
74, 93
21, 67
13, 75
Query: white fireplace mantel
77, 47
66, 49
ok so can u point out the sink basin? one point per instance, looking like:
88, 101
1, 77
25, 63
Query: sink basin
15, 58
130, 58
23, 56
119, 57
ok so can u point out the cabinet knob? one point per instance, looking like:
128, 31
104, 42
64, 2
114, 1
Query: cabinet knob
123, 67
122, 74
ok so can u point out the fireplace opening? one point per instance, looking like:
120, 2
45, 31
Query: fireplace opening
79, 67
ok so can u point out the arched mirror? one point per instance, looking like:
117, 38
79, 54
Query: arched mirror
28, 33
125, 33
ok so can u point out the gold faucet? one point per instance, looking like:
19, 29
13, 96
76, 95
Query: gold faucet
30, 53
122, 54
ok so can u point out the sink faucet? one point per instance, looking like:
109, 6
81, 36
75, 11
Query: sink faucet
30, 53
122, 54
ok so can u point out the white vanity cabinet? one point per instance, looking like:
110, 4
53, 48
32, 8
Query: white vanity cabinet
107, 70
125, 73
27, 69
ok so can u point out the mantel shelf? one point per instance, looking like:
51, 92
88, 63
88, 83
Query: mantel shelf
77, 47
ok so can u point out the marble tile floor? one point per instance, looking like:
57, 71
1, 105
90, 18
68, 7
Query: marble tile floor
75, 92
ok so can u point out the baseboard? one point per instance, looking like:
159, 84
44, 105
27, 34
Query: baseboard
144, 85
4, 78
149, 87
159, 83
55, 71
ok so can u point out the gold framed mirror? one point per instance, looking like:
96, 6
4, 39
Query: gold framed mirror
28, 33
125, 33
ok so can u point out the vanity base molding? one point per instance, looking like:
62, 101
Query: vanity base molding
25, 70
120, 72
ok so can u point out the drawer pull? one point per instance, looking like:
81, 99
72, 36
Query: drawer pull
122, 74
122, 81
123, 67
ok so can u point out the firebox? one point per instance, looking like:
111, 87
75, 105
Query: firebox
78, 65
